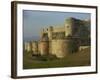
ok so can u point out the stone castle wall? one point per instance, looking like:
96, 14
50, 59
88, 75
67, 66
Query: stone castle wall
34, 46
43, 47
27, 46
59, 46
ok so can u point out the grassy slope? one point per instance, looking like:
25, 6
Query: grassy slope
81, 58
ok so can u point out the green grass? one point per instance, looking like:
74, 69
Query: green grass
81, 58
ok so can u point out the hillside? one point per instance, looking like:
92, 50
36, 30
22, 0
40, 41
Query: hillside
81, 58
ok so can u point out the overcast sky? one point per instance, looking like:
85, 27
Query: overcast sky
34, 21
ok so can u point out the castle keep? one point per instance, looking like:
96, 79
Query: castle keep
60, 41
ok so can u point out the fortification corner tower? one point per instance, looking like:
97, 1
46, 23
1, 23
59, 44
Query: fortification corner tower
68, 24
50, 31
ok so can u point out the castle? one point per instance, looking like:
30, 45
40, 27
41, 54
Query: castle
59, 41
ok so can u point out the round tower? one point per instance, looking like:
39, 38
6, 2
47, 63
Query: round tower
34, 47
28, 46
60, 47
50, 29
44, 46
69, 26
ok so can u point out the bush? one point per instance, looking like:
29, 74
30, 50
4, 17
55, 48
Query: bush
44, 57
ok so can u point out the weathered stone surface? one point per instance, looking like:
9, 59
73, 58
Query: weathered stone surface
59, 41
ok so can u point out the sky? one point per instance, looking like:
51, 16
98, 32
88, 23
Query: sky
34, 21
